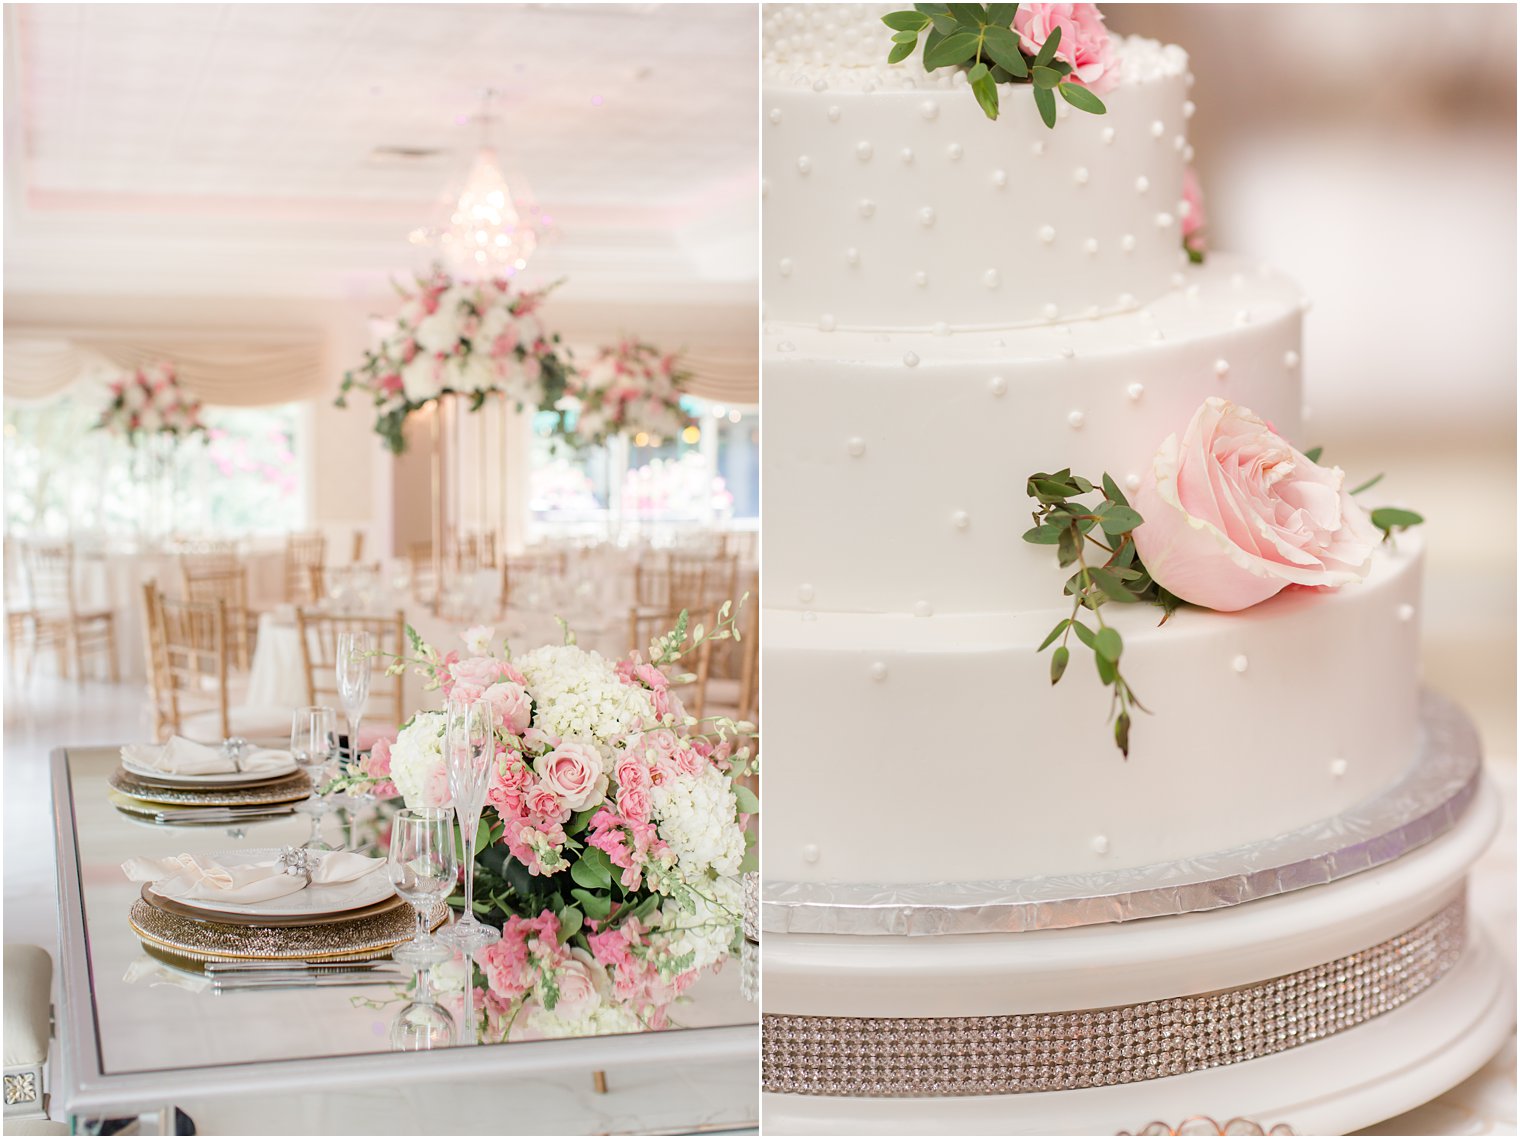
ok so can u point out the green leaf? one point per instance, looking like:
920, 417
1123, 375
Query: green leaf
905, 37
1313, 454
581, 820
1109, 645
1044, 77
1068, 546
570, 922
746, 800
1047, 50
1111, 584
1112, 492
596, 906
985, 89
1045, 534
1082, 99
1121, 733
942, 26
932, 9
1002, 47
951, 50
1118, 519
1058, 661
1084, 634
1108, 671
1390, 518
973, 14
1369, 484
1046, 102
1002, 15
906, 21
593, 870
1054, 633
899, 53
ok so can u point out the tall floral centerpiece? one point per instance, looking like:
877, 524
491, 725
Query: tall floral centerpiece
460, 337
631, 387
153, 413
617, 830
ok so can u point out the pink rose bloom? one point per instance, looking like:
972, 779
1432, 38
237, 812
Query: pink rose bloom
435, 788
573, 771
478, 672
631, 771
1085, 42
1234, 514
1193, 217
633, 803
579, 993
546, 805
512, 706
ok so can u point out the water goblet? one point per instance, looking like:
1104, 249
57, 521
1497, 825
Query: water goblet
353, 667
469, 751
422, 1024
423, 869
313, 743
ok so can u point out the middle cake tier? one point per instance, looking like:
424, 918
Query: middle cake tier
898, 483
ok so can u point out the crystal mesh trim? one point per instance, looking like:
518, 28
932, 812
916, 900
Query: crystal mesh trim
1003, 1055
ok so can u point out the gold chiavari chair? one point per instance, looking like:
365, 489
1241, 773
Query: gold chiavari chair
356, 551
188, 658
55, 618
302, 551
735, 692
318, 634
644, 625
217, 581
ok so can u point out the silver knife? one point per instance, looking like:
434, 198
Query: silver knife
223, 814
266, 984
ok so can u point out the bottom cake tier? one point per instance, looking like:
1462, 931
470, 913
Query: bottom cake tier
1322, 1009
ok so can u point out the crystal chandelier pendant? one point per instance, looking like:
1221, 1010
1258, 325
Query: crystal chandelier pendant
487, 233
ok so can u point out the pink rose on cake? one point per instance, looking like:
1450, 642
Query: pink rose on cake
1085, 42
1234, 514
1193, 218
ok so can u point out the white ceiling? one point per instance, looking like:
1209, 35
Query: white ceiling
237, 148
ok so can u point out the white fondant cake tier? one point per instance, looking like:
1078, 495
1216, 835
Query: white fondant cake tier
891, 200
897, 483
1263, 721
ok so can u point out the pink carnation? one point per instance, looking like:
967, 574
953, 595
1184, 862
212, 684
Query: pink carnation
1194, 220
1085, 42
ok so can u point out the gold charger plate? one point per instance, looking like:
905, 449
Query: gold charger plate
357, 939
222, 917
286, 789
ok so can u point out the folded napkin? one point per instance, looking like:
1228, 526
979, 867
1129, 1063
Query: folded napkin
205, 880
186, 757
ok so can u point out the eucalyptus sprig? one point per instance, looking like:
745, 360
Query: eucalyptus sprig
1389, 519
1117, 576
981, 39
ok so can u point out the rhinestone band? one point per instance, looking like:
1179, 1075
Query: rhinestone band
1003, 1055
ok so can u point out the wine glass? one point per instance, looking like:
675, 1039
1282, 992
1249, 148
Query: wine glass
423, 869
353, 667
422, 1024
469, 750
313, 743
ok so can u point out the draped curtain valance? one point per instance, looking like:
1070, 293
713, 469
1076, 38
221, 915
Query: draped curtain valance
235, 371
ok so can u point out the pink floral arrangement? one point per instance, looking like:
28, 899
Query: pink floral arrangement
630, 387
1084, 41
150, 401
462, 337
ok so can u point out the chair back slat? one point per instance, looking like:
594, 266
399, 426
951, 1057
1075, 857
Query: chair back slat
302, 551
318, 633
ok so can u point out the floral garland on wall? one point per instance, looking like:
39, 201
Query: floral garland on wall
630, 387
149, 401
460, 337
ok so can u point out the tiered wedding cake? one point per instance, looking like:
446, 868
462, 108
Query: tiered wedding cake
954, 847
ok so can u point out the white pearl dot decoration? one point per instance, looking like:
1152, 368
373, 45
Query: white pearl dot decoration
867, 207
910, 359
997, 386
804, 593
878, 670
1221, 367
804, 165
1290, 359
810, 853
1406, 612
929, 109
1135, 390
923, 609
785, 266
1158, 128
1050, 311
921, 279
834, 114
864, 150
856, 446
1076, 420
1142, 184
907, 155
941, 328
1000, 178
1080, 175
991, 279
1099, 844
926, 216
1127, 301
1090, 246
826, 322
954, 151
1037, 148
1132, 481
1339, 767
1068, 352
1164, 220
775, 115
820, 85
960, 520
852, 256
1127, 243
1240, 663
1046, 233
1187, 153
1189, 109
1107, 136
1243, 317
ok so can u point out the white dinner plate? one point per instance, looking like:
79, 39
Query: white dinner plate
313, 901
217, 779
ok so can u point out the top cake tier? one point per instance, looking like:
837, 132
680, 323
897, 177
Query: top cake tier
892, 201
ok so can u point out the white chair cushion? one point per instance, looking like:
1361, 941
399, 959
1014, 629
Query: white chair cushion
28, 996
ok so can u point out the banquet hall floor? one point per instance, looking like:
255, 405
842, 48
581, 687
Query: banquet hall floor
49, 713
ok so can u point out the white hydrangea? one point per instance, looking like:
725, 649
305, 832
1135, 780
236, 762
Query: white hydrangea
578, 695
707, 932
696, 818
606, 1019
417, 760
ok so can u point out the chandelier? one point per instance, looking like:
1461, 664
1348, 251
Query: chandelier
488, 230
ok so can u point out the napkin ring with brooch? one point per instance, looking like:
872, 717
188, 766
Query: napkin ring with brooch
297, 861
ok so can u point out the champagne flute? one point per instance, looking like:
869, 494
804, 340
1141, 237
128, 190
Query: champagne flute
313, 742
469, 750
353, 668
423, 869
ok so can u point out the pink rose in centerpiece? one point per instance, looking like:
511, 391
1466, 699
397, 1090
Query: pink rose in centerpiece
633, 803
511, 704
1234, 514
577, 981
1085, 43
573, 771
1193, 218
